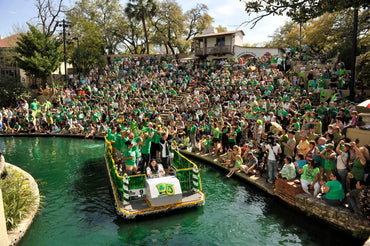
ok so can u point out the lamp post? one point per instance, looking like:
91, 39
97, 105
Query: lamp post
78, 58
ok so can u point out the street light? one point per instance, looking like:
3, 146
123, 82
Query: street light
78, 57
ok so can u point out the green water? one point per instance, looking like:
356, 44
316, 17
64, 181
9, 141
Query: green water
79, 208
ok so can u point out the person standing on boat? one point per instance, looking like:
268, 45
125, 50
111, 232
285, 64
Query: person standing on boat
145, 150
165, 151
130, 157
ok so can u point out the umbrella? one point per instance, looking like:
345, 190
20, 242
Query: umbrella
276, 125
365, 104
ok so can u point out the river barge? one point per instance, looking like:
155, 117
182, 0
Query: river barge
137, 195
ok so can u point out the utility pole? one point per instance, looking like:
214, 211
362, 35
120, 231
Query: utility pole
78, 58
64, 24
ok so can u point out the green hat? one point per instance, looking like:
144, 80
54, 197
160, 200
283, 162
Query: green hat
330, 146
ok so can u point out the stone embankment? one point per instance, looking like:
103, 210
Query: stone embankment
292, 194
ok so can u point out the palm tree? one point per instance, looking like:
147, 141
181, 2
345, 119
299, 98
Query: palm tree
140, 10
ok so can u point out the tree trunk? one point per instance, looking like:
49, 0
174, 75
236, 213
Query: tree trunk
146, 34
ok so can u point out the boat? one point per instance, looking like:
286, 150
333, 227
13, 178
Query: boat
137, 195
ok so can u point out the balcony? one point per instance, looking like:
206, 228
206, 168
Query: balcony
216, 50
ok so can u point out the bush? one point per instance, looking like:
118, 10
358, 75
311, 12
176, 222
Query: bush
18, 198
365, 204
11, 91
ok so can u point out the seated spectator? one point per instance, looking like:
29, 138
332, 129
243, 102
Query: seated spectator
352, 124
238, 160
155, 170
333, 190
309, 177
353, 197
288, 171
252, 164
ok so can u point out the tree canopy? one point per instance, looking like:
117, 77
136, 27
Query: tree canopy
38, 54
300, 10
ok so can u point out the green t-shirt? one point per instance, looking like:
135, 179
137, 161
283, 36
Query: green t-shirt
146, 148
216, 133
336, 190
309, 174
129, 153
328, 163
33, 106
193, 128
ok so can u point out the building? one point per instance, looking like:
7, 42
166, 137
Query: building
212, 45
7, 64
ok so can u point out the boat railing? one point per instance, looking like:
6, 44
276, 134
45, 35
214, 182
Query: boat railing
128, 187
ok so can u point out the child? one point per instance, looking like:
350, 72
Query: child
238, 160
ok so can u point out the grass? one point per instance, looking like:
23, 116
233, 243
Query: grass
18, 198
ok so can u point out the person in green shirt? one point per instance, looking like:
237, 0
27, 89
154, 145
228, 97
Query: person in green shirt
310, 176
216, 137
192, 135
333, 190
130, 158
145, 150
329, 155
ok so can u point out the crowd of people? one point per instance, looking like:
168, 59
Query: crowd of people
255, 113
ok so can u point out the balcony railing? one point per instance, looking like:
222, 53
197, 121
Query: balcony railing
216, 50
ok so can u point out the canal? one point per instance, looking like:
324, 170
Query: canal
78, 207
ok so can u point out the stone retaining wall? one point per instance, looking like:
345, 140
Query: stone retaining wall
337, 217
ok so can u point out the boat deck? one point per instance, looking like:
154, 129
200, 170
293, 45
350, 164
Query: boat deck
141, 205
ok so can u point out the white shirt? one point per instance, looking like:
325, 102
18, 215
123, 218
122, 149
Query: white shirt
275, 150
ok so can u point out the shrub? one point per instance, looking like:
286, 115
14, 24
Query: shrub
365, 204
18, 197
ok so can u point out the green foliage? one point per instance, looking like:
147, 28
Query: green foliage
11, 91
18, 198
38, 54
300, 10
220, 28
197, 19
141, 10
169, 25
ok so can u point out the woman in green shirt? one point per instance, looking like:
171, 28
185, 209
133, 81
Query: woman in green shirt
358, 165
333, 190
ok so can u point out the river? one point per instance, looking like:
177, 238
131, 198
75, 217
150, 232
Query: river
78, 207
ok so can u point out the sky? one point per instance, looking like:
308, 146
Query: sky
228, 13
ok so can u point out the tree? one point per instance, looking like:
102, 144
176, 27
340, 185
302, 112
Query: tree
130, 34
286, 35
48, 11
38, 54
301, 11
198, 20
220, 28
169, 25
141, 10
96, 20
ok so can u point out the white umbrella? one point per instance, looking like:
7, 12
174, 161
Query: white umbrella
365, 104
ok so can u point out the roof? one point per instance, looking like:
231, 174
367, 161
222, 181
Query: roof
219, 34
10, 41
